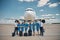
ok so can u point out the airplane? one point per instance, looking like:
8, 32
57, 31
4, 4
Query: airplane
30, 14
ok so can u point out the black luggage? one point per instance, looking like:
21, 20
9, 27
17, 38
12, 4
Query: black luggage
13, 34
25, 34
30, 33
20, 33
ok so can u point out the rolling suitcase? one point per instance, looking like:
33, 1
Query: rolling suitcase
25, 34
20, 33
13, 34
30, 33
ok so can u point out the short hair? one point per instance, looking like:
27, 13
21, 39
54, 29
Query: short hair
29, 20
39, 19
43, 21
16, 21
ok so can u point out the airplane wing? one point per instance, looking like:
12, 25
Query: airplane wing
49, 18
14, 19
10, 19
44, 18
29, 20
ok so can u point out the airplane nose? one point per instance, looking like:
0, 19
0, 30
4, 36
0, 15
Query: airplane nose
29, 15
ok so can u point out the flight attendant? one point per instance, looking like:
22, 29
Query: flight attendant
33, 26
37, 26
30, 28
26, 27
41, 27
17, 28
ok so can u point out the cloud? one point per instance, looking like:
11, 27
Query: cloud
41, 3
54, 21
50, 15
21, 17
59, 3
47, 15
57, 14
21, 0
49, 3
5, 21
41, 10
53, 5
26, 0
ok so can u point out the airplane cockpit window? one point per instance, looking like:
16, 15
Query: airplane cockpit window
29, 10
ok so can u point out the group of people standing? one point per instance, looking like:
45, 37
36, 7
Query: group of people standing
30, 27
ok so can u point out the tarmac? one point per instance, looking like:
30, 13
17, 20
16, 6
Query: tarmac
52, 32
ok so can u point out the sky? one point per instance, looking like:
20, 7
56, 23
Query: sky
16, 8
